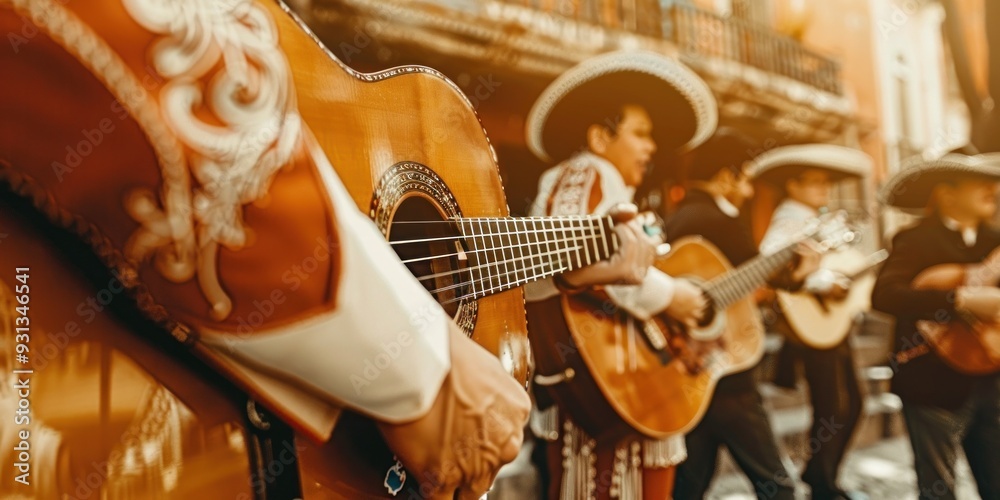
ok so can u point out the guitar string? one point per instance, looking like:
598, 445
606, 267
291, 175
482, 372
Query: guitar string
490, 279
590, 235
498, 263
513, 284
526, 231
516, 282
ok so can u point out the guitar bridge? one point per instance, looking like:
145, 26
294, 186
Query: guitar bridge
657, 341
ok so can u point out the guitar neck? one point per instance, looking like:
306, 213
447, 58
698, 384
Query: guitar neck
871, 262
508, 252
740, 282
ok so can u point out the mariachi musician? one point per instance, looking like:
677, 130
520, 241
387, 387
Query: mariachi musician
718, 186
945, 410
191, 114
605, 120
804, 174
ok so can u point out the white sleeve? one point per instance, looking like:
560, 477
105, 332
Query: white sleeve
822, 281
779, 233
383, 351
647, 299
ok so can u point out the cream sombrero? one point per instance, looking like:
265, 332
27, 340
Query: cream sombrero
779, 164
911, 187
680, 103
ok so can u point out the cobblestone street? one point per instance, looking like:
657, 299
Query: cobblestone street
882, 470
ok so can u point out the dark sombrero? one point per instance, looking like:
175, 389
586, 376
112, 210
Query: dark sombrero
779, 164
911, 187
680, 103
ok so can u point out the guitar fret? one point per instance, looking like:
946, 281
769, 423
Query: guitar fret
594, 243
525, 263
552, 242
520, 265
502, 247
538, 250
604, 239
472, 256
736, 284
487, 247
567, 239
534, 247
498, 246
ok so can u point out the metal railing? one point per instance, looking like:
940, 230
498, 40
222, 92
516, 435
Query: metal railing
698, 34
701, 33
643, 17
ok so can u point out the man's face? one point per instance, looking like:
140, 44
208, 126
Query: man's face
742, 188
811, 188
974, 198
631, 149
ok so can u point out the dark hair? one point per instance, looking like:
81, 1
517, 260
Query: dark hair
607, 116
612, 116
727, 149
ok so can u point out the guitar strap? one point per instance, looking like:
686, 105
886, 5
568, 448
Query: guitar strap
903, 357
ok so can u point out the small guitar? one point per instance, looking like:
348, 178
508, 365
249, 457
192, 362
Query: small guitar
616, 376
820, 323
966, 344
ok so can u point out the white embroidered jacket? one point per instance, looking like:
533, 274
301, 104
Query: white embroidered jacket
566, 189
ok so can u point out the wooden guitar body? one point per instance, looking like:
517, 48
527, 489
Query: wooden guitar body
408, 145
966, 344
614, 384
824, 324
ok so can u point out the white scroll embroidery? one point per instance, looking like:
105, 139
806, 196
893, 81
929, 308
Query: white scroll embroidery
229, 99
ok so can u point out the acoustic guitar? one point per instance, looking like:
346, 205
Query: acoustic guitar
966, 344
411, 151
821, 323
617, 376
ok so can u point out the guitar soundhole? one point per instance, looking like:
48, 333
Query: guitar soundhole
710, 311
413, 207
431, 248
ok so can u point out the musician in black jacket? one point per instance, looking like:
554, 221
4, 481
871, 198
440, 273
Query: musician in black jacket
944, 410
718, 187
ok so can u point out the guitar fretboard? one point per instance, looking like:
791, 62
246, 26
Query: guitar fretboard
740, 282
509, 252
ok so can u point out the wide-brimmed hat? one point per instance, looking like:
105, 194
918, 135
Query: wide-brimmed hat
911, 187
727, 148
779, 164
680, 103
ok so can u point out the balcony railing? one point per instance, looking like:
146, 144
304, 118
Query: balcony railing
642, 17
701, 33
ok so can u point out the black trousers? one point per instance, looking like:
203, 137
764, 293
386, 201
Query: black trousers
738, 422
836, 403
937, 435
